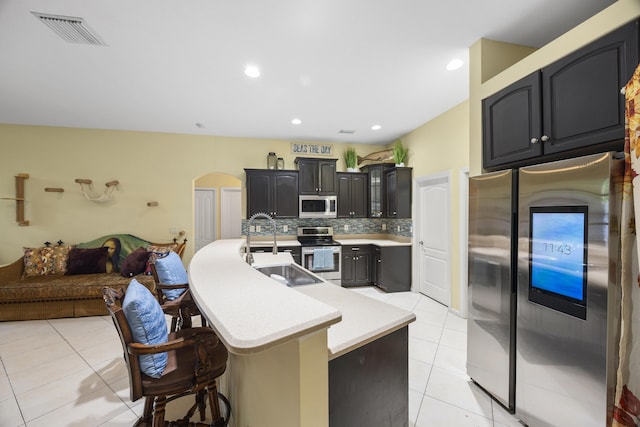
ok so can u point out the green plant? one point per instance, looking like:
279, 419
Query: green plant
400, 152
350, 157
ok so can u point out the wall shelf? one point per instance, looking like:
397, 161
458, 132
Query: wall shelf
19, 199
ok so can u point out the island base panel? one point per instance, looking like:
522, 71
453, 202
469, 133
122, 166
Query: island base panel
369, 386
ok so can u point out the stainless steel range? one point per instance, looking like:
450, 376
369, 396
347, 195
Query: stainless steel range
320, 253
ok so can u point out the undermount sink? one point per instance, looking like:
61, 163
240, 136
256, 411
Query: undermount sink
289, 274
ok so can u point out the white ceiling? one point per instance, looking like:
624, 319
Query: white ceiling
335, 64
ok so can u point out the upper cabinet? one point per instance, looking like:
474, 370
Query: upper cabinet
398, 193
352, 195
317, 176
376, 188
572, 107
270, 191
389, 191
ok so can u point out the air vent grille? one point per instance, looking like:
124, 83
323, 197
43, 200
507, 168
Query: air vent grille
71, 29
347, 131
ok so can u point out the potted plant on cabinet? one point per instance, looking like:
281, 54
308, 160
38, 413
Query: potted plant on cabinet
350, 159
400, 153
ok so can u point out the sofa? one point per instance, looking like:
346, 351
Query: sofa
67, 280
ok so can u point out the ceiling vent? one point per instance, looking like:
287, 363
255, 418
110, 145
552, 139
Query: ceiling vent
347, 131
70, 28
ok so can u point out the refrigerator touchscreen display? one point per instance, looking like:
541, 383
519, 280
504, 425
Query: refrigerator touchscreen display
557, 255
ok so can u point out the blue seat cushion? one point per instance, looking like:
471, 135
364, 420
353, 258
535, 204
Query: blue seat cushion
171, 272
148, 325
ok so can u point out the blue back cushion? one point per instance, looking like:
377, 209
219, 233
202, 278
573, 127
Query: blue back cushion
171, 272
148, 325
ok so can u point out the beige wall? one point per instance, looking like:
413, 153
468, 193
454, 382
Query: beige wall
150, 167
442, 145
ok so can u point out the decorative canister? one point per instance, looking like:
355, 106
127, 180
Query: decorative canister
271, 160
280, 163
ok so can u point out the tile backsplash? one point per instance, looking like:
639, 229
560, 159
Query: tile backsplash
398, 227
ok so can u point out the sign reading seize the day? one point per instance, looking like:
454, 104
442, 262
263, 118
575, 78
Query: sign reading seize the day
315, 149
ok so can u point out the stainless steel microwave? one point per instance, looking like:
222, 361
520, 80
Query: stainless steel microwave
318, 206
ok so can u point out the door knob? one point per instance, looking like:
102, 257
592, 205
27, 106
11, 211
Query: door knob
534, 140
544, 138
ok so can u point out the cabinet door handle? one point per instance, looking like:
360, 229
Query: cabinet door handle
534, 140
544, 138
379, 261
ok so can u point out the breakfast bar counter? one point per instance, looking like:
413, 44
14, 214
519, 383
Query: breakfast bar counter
289, 347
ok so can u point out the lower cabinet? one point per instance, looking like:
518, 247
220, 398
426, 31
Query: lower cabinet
293, 250
387, 267
392, 268
356, 265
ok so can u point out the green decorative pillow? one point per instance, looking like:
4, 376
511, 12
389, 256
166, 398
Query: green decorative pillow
128, 243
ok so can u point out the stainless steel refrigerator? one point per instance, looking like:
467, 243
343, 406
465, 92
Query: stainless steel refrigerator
544, 274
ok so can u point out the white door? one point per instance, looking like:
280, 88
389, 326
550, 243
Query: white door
205, 216
230, 213
434, 236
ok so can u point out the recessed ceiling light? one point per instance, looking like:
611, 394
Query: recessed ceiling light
376, 127
296, 121
252, 71
454, 64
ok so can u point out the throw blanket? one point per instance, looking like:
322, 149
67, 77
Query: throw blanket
626, 412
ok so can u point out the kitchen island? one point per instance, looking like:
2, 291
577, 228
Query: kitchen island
286, 342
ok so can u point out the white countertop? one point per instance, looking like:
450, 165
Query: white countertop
377, 242
364, 319
251, 312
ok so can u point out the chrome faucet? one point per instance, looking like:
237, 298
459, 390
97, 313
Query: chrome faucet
273, 226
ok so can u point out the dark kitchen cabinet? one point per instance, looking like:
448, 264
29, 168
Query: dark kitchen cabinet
392, 268
356, 265
569, 108
273, 192
352, 195
317, 176
295, 251
376, 188
398, 193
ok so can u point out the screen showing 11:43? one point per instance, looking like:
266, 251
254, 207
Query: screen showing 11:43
558, 251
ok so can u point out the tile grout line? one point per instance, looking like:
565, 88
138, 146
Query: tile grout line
13, 391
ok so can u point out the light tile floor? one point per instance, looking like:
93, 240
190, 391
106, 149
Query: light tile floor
70, 372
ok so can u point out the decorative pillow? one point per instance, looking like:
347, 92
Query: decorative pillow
128, 243
135, 263
87, 261
60, 258
148, 325
162, 249
171, 272
45, 260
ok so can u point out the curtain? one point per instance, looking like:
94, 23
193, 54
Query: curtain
626, 412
